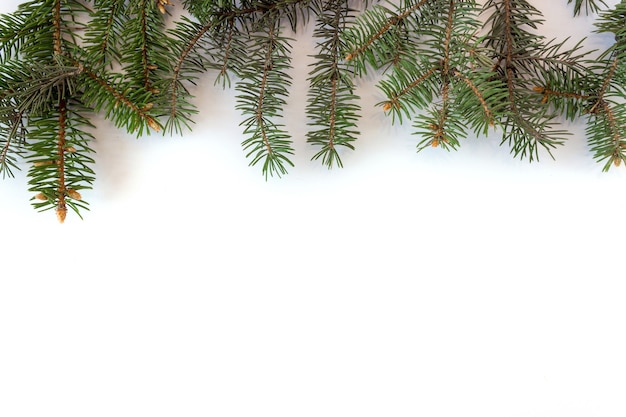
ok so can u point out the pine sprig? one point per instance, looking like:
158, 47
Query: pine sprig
524, 62
192, 58
145, 48
606, 130
383, 31
38, 108
119, 100
332, 105
590, 6
442, 68
12, 136
262, 91
103, 39
60, 160
212, 40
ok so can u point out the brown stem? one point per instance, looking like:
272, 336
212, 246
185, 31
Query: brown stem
179, 63
394, 100
61, 208
144, 49
478, 95
56, 23
390, 23
605, 86
267, 67
122, 99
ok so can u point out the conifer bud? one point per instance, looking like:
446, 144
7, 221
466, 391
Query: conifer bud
617, 161
70, 149
435, 143
153, 124
41, 196
43, 163
387, 106
161, 5
74, 194
349, 57
61, 213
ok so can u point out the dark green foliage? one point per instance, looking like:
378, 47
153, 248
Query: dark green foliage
606, 91
451, 67
591, 6
436, 64
104, 35
332, 105
41, 116
526, 63
53, 79
60, 158
262, 92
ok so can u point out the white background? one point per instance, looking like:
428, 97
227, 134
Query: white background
433, 284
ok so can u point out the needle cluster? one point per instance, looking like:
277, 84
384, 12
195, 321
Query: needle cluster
450, 67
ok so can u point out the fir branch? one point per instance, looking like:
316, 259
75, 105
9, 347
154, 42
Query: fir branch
367, 43
61, 165
332, 103
145, 47
476, 89
591, 6
191, 58
607, 133
18, 29
226, 51
39, 30
606, 130
523, 59
262, 90
12, 134
438, 73
445, 65
121, 102
56, 23
247, 9
61, 207
104, 34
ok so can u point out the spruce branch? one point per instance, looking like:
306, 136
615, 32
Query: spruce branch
590, 6
192, 54
145, 48
441, 66
60, 159
105, 32
525, 61
38, 85
381, 31
332, 105
120, 101
441, 71
12, 134
606, 130
208, 42
262, 91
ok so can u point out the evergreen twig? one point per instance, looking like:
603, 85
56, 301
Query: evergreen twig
450, 66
